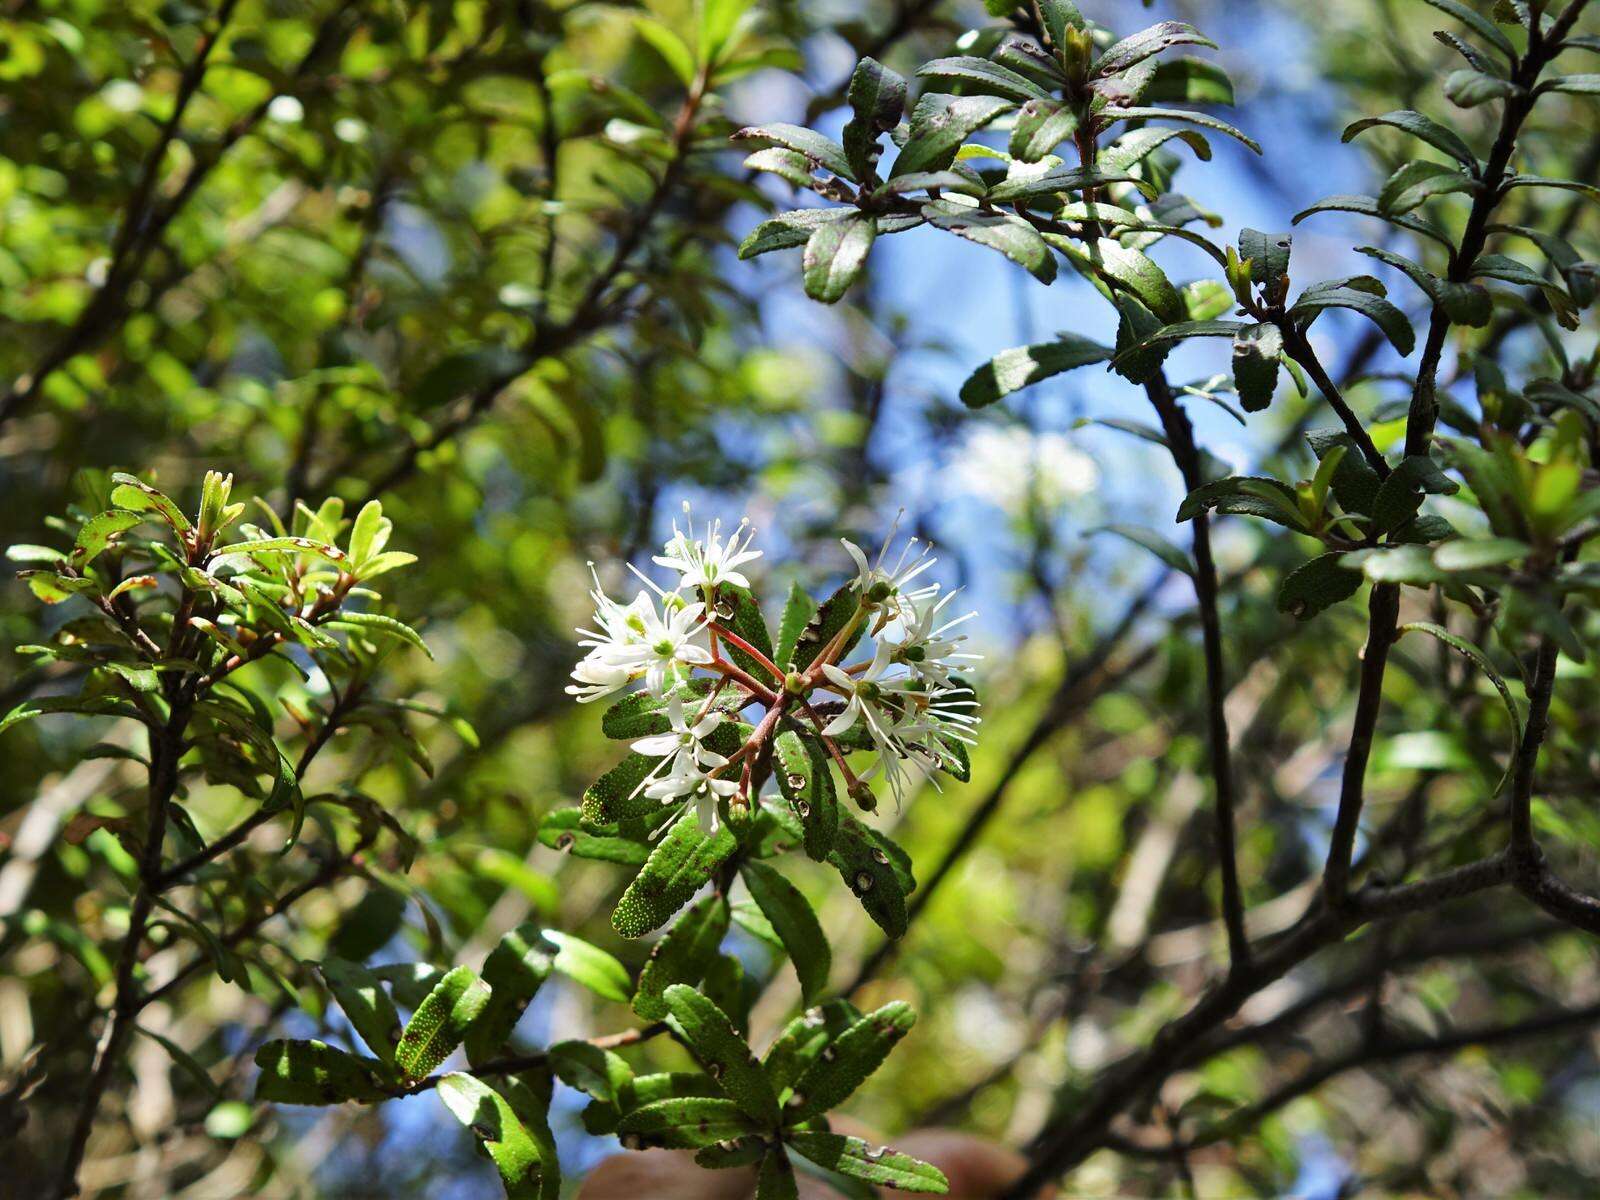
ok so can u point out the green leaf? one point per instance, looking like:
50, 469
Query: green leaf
284, 545
1136, 145
99, 532
855, 1158
877, 98
640, 714
1464, 303
835, 253
382, 626
1477, 554
1147, 42
824, 624
1150, 540
441, 1021
1418, 126
1005, 232
674, 51
795, 923
564, 829
616, 797
1396, 327
1190, 81
678, 867
515, 971
1469, 89
710, 1036
850, 1058
1041, 126
594, 1071
133, 493
1115, 113
308, 1072
737, 609
682, 955
1367, 206
590, 966
1257, 350
1014, 369
788, 230
989, 78
1417, 182
824, 151
687, 1123
88, 706
776, 1180
1317, 585
797, 610
1031, 186
515, 1152
1478, 23
361, 996
719, 20
1477, 658
1247, 496
868, 868
1577, 85
806, 782
1268, 254
940, 124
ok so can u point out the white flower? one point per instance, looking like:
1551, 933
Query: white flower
887, 586
703, 791
669, 642
927, 650
597, 678
865, 691
622, 628
706, 562
682, 743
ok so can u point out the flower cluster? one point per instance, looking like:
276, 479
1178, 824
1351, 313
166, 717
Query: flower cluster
900, 697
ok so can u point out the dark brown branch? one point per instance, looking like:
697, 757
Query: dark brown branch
1180, 440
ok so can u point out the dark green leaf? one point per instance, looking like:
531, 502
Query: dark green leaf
596, 970
850, 1058
823, 151
678, 867
1419, 126
682, 955
515, 971
361, 995
796, 925
835, 253
710, 1036
797, 610
515, 1152
688, 1123
1009, 234
868, 870
806, 782
1396, 327
1317, 585
989, 78
1140, 46
939, 126
306, 1072
1041, 126
1014, 369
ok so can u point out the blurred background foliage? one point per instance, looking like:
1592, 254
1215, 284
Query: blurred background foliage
475, 257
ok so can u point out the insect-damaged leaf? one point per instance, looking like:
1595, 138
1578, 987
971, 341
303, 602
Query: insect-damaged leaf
877, 1165
682, 955
848, 1060
725, 1056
